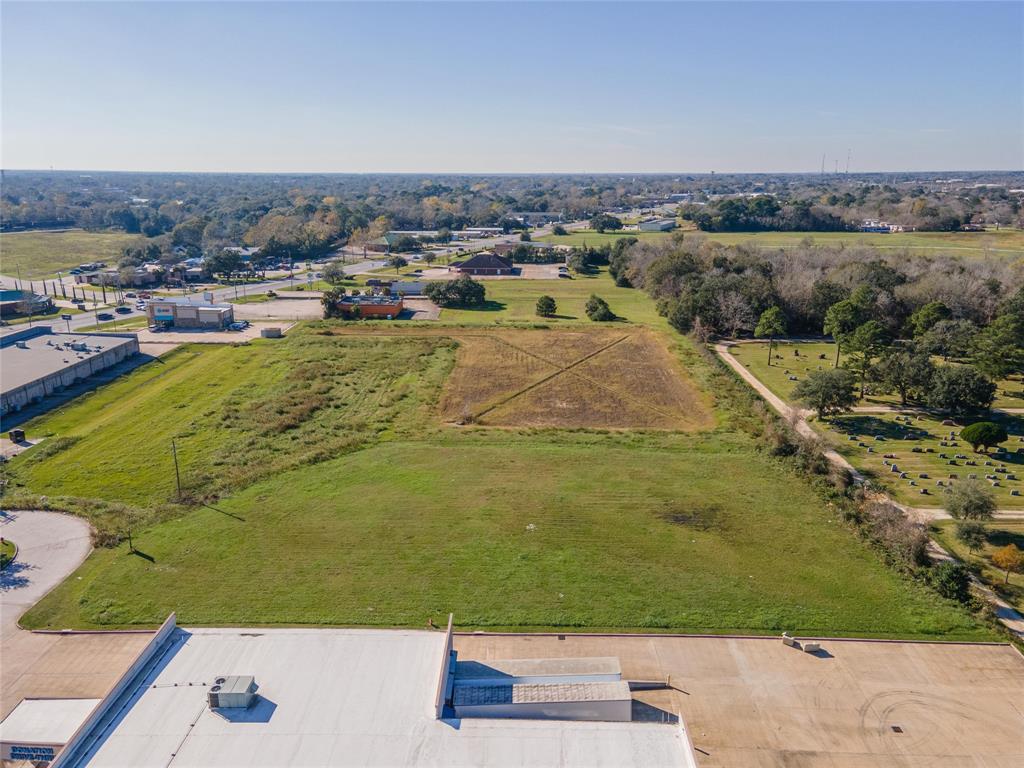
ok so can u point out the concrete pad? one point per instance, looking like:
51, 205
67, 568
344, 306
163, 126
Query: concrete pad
284, 309
755, 702
199, 336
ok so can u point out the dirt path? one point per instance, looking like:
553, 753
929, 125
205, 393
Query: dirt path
1005, 612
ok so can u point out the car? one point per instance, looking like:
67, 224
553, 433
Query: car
236, 327
104, 316
145, 295
319, 275
75, 271
129, 295
123, 310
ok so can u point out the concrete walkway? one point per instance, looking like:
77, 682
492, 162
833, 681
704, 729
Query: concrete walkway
1005, 612
50, 547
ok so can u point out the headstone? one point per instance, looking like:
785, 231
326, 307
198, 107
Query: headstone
1015, 492
972, 476
952, 476
923, 475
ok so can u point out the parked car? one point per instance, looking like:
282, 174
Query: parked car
129, 295
237, 327
105, 316
75, 271
145, 295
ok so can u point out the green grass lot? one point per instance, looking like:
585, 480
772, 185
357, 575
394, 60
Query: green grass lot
49, 317
7, 551
43, 254
1000, 533
1006, 242
516, 300
754, 355
927, 435
593, 239
323, 489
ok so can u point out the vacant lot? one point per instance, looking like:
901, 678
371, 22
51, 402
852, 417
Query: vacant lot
1005, 242
593, 378
323, 487
43, 254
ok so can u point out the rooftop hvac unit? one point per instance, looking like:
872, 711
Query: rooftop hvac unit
230, 691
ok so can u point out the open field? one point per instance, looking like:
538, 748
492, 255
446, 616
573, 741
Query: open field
324, 487
1005, 242
43, 254
513, 531
801, 357
929, 455
1000, 533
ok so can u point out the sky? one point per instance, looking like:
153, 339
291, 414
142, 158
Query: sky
512, 87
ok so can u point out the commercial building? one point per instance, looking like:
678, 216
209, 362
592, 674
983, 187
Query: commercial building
484, 263
386, 307
657, 225
506, 249
336, 697
36, 362
188, 312
18, 303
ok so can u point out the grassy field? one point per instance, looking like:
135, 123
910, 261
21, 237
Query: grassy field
325, 487
43, 254
49, 316
800, 358
1006, 242
1000, 533
516, 300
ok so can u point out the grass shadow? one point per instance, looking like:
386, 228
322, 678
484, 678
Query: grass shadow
226, 514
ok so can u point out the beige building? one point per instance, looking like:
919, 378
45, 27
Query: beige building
189, 313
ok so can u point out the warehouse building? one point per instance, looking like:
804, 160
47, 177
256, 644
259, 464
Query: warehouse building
358, 697
36, 362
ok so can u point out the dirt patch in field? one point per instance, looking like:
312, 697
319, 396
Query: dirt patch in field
609, 378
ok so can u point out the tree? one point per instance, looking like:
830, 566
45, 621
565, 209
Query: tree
444, 235
958, 389
827, 392
1008, 558
841, 319
429, 257
546, 306
463, 291
771, 324
970, 500
949, 338
397, 262
525, 237
971, 533
927, 316
907, 372
331, 301
559, 230
863, 346
598, 310
334, 273
605, 221
999, 348
984, 434
952, 580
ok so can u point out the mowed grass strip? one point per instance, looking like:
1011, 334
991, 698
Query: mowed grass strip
521, 532
43, 254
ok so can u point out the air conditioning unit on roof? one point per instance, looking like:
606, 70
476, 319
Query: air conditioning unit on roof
232, 691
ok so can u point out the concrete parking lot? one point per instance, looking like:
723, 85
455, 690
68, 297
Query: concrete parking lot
200, 336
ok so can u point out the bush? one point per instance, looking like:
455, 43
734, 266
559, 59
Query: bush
546, 306
598, 310
904, 542
970, 500
559, 230
952, 580
984, 434
971, 533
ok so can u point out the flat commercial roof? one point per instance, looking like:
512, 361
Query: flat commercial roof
45, 721
19, 367
340, 697
757, 702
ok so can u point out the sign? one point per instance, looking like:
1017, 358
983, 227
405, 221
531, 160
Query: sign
65, 317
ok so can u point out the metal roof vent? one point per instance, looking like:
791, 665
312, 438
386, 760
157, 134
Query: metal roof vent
232, 691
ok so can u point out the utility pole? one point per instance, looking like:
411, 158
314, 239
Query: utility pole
177, 474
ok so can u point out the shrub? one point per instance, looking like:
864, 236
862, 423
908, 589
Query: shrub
598, 310
952, 580
904, 542
971, 533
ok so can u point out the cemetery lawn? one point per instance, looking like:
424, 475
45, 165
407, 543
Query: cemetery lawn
1000, 533
927, 435
754, 355
44, 253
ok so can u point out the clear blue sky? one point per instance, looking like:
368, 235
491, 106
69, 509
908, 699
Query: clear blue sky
510, 87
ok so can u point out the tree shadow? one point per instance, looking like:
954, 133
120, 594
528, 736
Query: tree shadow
15, 575
489, 305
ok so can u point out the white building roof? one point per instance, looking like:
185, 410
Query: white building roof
45, 721
337, 697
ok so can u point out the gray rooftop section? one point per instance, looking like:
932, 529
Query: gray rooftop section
49, 353
544, 693
507, 671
